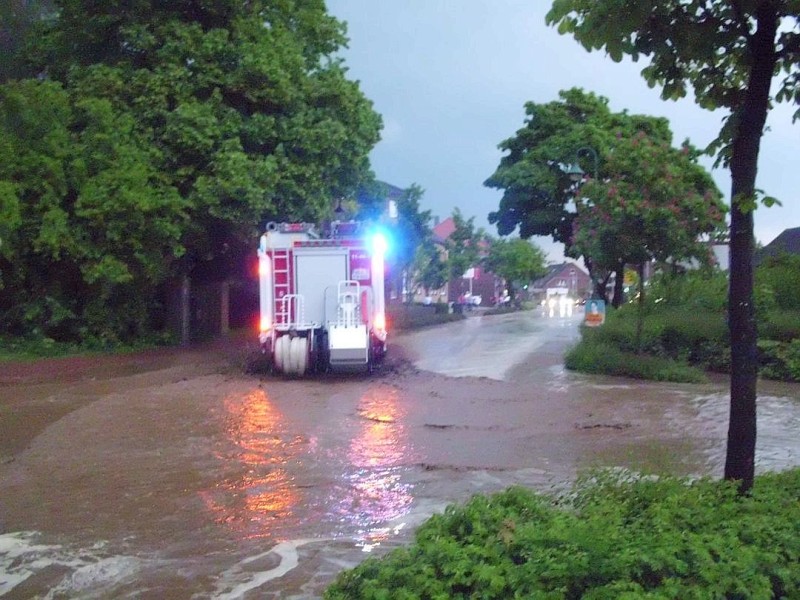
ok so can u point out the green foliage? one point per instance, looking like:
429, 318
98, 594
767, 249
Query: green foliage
636, 204
412, 228
162, 137
91, 224
700, 290
709, 47
18, 20
38, 346
780, 325
429, 266
517, 261
594, 354
781, 276
463, 245
685, 323
780, 360
406, 317
654, 203
537, 190
614, 537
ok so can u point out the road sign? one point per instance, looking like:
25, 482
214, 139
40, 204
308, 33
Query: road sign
595, 313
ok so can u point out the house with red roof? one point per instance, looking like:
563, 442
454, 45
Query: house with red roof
475, 282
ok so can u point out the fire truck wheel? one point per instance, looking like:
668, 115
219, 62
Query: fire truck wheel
298, 360
305, 357
280, 353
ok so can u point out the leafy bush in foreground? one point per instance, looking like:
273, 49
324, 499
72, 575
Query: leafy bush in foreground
612, 538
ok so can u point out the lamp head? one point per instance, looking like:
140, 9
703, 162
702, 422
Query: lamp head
575, 172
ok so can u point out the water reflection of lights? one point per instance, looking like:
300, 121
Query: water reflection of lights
561, 305
377, 493
261, 494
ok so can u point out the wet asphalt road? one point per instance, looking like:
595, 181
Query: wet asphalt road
197, 481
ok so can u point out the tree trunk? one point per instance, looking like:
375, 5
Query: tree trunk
619, 283
740, 458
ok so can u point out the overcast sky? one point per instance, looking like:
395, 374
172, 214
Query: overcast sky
451, 77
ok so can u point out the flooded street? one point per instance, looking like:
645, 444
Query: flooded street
182, 477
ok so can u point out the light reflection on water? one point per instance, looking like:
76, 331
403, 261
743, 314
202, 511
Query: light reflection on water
377, 453
261, 493
355, 489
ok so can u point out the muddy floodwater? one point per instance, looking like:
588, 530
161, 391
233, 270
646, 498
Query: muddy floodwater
174, 474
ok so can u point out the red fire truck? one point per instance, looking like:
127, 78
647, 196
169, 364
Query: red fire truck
322, 298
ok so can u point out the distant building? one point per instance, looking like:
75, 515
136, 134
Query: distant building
567, 275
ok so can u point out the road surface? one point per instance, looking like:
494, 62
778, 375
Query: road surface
177, 475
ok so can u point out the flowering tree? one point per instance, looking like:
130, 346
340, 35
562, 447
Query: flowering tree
656, 203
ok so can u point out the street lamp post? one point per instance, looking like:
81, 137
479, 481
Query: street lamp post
576, 174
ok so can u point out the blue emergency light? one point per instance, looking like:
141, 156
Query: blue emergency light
379, 244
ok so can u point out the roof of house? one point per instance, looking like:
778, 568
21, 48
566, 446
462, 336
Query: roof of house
788, 242
555, 270
445, 228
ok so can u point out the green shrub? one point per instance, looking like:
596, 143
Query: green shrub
27, 348
593, 356
781, 325
780, 275
31, 348
779, 360
697, 290
685, 321
613, 537
403, 317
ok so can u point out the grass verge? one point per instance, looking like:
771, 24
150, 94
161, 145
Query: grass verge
592, 356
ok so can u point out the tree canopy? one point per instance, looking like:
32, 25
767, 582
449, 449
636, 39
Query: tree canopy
430, 266
156, 141
463, 245
655, 203
516, 260
732, 55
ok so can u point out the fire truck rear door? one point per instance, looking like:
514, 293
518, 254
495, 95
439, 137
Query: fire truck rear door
315, 270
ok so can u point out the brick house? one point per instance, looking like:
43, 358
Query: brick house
564, 275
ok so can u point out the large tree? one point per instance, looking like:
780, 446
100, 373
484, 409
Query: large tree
731, 54
538, 193
230, 113
86, 219
430, 267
